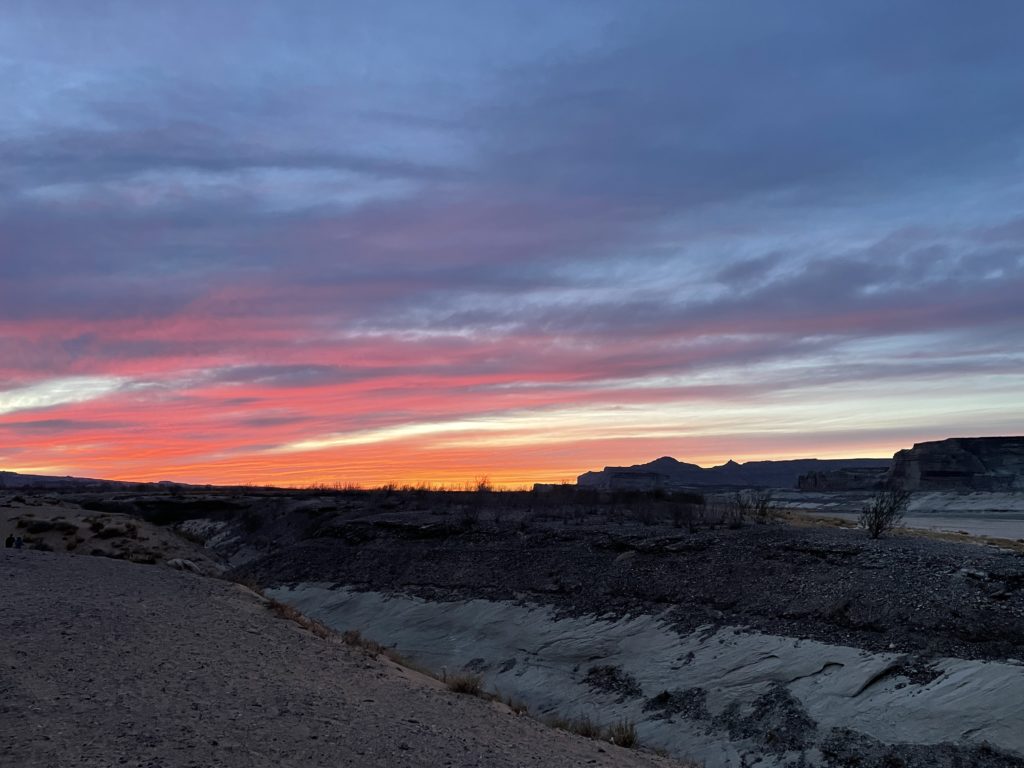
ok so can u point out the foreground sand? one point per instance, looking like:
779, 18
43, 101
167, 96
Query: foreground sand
108, 663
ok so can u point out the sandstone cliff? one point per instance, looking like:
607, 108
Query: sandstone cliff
961, 463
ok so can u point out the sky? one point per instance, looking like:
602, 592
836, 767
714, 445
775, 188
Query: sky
363, 242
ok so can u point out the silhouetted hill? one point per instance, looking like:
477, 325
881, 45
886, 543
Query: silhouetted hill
667, 472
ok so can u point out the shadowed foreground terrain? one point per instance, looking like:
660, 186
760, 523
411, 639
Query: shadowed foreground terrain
111, 663
721, 633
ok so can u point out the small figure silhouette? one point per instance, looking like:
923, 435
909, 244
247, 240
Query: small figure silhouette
9, 541
18, 542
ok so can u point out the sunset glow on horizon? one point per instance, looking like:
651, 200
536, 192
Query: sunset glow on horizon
439, 242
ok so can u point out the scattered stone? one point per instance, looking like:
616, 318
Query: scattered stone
844, 748
691, 703
777, 721
611, 679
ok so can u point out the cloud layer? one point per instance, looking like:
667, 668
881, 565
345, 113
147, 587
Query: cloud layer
265, 244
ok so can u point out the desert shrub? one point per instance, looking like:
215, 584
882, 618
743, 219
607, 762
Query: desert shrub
355, 638
737, 510
623, 734
519, 707
352, 637
581, 726
285, 611
762, 506
39, 526
469, 684
883, 512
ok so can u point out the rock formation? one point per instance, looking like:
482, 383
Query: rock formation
845, 479
961, 463
667, 473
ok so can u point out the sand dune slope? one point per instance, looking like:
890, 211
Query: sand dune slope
106, 663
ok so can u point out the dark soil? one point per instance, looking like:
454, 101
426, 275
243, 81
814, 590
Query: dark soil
612, 679
691, 703
919, 596
777, 721
844, 748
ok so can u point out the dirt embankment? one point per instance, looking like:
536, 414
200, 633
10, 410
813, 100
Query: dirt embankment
112, 663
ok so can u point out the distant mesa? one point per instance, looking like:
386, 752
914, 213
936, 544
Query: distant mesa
666, 473
16, 480
961, 463
954, 464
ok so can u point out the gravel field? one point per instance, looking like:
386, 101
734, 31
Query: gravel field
109, 663
902, 592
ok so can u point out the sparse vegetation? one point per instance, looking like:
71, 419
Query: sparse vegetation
515, 705
623, 734
290, 613
469, 684
884, 512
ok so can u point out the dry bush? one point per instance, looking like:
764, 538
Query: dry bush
623, 734
355, 638
468, 684
585, 727
286, 611
884, 512
516, 706
581, 726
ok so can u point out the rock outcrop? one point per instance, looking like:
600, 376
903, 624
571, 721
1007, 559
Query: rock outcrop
845, 479
961, 463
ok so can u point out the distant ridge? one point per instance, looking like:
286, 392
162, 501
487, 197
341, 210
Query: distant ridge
667, 472
15, 480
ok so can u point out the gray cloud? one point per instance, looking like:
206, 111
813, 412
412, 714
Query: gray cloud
803, 176
61, 426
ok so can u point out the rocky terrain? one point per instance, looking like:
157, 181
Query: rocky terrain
908, 593
726, 633
56, 522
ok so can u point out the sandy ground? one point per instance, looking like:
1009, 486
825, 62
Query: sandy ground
46, 521
108, 663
